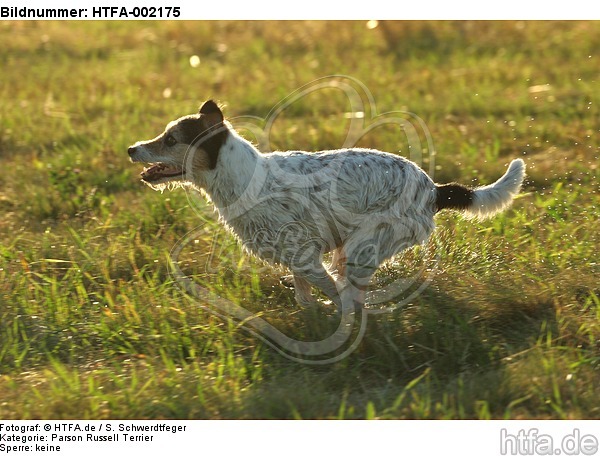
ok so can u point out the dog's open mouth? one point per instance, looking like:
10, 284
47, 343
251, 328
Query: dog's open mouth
160, 171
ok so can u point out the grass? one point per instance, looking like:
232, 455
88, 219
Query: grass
92, 324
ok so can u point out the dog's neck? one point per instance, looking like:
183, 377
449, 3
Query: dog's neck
236, 181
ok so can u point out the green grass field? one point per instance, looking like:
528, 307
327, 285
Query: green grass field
92, 324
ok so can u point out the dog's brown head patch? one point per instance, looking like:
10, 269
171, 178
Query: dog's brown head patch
205, 130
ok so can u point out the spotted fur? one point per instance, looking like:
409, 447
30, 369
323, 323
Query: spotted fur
293, 207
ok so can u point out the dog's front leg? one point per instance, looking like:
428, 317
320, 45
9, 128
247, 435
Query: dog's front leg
303, 290
337, 268
320, 278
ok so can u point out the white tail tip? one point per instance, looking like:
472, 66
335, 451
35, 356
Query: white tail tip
496, 197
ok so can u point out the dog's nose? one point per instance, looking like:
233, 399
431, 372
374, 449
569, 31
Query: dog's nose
131, 150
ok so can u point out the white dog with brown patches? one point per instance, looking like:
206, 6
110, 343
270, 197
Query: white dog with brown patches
364, 206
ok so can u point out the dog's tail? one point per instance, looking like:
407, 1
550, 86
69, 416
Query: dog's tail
483, 202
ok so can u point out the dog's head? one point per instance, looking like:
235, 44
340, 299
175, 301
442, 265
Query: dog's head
189, 145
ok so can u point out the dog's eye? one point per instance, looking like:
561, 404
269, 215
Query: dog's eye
170, 141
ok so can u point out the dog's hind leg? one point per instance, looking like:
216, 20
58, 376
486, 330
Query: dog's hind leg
364, 253
356, 283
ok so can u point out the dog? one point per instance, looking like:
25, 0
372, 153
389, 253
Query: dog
292, 208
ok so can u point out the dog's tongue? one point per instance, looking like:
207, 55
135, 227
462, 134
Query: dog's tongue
153, 169
159, 170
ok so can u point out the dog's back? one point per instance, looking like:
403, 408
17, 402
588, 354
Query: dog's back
353, 182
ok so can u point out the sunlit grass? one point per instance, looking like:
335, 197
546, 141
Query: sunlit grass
92, 324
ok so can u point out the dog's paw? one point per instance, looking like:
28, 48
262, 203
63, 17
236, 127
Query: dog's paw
287, 281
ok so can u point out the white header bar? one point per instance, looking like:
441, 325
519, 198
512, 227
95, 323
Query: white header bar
307, 9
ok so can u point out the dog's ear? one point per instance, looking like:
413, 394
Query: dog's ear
211, 118
211, 113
